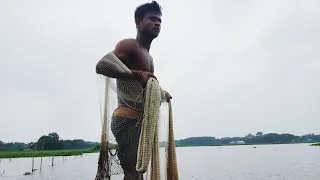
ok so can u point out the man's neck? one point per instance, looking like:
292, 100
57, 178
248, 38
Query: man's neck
144, 41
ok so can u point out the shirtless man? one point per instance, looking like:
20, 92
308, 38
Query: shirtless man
134, 53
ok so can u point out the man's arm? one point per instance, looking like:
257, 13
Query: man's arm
125, 50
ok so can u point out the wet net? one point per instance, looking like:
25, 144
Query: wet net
137, 128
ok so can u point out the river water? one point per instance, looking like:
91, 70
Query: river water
265, 162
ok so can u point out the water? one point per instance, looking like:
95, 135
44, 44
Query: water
265, 162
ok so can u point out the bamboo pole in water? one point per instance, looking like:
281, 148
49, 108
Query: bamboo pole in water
52, 161
41, 158
41, 163
32, 164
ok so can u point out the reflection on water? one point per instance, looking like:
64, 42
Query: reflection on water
266, 162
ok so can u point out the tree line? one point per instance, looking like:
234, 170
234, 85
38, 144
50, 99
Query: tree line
51, 141
258, 138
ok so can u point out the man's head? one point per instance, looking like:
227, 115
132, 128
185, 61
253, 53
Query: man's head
148, 19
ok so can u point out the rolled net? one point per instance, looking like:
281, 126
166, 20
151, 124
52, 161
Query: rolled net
125, 144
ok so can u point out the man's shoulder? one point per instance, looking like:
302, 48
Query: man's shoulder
126, 48
128, 40
127, 44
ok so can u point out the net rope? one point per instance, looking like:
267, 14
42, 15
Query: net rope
148, 143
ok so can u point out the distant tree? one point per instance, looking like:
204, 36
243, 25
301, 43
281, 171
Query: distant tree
1, 145
286, 138
249, 136
50, 142
271, 138
32, 145
54, 136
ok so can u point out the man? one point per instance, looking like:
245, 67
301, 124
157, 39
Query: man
134, 54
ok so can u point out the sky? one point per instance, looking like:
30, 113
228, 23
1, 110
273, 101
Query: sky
232, 67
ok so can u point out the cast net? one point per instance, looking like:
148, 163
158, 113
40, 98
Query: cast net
137, 131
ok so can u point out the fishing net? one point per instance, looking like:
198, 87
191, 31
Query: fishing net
137, 129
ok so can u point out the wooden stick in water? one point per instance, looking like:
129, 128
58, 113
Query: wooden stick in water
32, 169
52, 161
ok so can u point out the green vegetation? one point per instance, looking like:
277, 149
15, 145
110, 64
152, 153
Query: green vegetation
250, 139
316, 144
49, 146
51, 141
52, 145
44, 153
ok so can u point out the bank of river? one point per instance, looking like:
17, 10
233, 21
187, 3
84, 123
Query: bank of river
78, 152
45, 153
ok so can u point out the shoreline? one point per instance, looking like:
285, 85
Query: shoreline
315, 144
242, 144
44, 153
79, 152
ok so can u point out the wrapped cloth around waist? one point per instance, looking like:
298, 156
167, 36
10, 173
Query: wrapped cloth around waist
127, 113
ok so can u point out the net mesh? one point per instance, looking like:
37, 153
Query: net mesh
122, 107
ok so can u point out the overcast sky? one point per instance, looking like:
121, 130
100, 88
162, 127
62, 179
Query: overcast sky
232, 67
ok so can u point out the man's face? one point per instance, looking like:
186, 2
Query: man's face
151, 24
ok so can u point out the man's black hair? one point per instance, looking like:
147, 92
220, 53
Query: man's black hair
143, 9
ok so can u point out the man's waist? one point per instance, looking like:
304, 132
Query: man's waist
127, 113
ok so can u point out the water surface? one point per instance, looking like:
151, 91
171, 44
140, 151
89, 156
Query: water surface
265, 162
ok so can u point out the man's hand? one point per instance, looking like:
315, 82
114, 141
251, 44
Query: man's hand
144, 76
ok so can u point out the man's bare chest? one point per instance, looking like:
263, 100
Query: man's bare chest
143, 61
